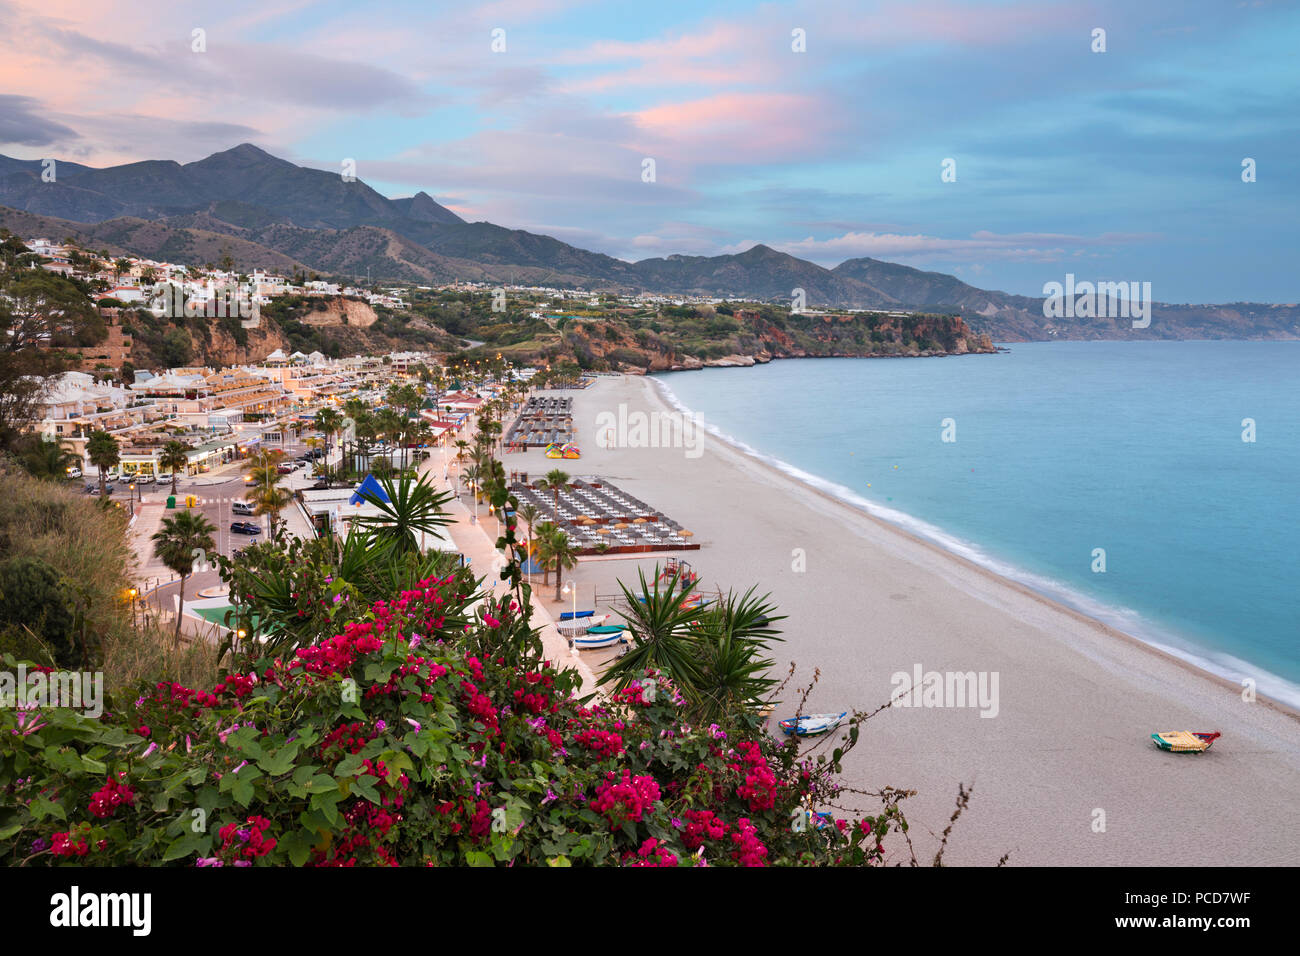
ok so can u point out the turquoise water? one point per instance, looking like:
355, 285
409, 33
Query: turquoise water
1062, 448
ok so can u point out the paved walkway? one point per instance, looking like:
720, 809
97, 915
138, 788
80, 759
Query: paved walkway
477, 541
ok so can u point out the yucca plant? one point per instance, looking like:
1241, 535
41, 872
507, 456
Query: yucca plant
729, 638
413, 507
660, 628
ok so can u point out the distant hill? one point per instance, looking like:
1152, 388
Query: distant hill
266, 212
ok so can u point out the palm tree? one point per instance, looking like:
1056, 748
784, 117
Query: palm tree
270, 500
391, 424
541, 536
562, 553
328, 422
528, 512
469, 477
103, 451
413, 505
555, 480
174, 545
49, 460
264, 493
175, 455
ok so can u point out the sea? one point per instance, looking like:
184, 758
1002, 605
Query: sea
1154, 486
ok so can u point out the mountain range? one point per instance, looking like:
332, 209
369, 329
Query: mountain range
266, 212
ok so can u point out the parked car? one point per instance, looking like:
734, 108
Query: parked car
241, 508
286, 468
92, 489
144, 478
244, 527
74, 472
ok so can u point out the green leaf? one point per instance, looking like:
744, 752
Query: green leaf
242, 790
477, 858
365, 785
280, 762
186, 845
42, 808
298, 844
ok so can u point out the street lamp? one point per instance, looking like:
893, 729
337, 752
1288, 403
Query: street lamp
573, 633
131, 592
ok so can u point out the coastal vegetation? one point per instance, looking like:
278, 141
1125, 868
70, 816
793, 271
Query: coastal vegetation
423, 728
65, 589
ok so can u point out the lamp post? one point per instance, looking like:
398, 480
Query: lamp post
567, 589
131, 497
131, 592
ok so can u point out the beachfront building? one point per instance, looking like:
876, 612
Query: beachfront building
204, 399
75, 405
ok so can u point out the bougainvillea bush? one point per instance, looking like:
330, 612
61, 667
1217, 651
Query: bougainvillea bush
404, 740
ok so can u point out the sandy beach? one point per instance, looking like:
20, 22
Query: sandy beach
1063, 768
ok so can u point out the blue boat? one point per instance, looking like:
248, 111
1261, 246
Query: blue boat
571, 616
810, 725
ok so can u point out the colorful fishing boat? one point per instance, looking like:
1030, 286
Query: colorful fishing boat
810, 725
602, 635
1185, 741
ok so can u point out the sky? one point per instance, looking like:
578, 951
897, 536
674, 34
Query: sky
820, 128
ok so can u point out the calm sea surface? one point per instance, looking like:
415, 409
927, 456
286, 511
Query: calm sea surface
1063, 448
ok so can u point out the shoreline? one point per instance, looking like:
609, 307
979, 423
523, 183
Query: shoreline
668, 399
1075, 707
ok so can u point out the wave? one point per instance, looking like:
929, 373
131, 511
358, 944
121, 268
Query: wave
1127, 620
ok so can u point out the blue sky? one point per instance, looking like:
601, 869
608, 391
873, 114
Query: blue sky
1117, 165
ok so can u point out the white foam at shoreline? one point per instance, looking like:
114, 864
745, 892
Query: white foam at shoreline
1218, 663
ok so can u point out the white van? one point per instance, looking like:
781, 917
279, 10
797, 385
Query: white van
74, 472
241, 508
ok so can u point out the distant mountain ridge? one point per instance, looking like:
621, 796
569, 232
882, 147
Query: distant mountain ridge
266, 212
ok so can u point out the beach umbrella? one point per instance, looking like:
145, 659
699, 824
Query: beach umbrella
620, 526
638, 520
686, 534
602, 531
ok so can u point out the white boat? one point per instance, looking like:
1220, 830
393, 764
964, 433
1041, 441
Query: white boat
599, 636
811, 724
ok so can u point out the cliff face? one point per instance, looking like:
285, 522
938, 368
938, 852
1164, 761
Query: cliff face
750, 337
340, 311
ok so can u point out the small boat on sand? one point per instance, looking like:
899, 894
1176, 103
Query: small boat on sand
570, 615
811, 724
1185, 741
602, 635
